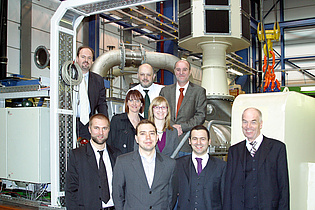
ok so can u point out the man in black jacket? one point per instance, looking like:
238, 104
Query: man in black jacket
88, 182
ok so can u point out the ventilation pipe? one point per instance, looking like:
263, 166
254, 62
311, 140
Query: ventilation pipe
132, 58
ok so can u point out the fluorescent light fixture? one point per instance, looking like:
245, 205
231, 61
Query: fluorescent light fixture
308, 88
235, 72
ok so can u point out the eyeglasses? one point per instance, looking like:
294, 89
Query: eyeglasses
160, 107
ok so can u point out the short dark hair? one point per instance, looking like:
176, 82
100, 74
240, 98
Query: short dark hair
189, 66
83, 47
200, 127
134, 94
99, 116
145, 121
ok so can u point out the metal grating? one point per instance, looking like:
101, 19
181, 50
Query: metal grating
65, 102
110, 5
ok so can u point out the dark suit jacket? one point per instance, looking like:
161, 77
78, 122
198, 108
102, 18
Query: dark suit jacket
122, 133
213, 185
82, 179
97, 94
131, 189
272, 181
171, 143
192, 111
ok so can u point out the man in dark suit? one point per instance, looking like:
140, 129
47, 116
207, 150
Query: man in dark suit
187, 101
257, 171
93, 84
144, 179
88, 182
200, 176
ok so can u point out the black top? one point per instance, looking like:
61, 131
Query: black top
122, 133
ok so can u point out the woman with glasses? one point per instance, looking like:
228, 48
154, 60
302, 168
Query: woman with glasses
160, 114
123, 126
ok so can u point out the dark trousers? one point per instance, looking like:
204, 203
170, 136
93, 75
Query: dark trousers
82, 130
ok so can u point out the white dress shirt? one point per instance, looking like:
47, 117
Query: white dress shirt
259, 139
109, 172
149, 167
154, 90
86, 78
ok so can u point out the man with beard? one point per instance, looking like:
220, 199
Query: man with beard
89, 175
147, 88
92, 95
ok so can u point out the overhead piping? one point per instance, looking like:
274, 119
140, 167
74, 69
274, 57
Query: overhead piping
130, 58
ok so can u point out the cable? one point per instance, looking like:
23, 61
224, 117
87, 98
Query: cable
71, 73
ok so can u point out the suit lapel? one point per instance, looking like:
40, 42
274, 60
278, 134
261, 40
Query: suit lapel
188, 94
91, 157
137, 164
173, 101
243, 153
159, 169
265, 148
210, 169
111, 155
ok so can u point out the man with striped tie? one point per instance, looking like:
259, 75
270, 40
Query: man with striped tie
257, 171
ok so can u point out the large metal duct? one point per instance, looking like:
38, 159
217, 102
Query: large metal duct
131, 58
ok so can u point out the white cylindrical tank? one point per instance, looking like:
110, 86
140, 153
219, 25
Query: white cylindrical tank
290, 118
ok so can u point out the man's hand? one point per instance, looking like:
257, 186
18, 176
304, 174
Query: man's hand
179, 129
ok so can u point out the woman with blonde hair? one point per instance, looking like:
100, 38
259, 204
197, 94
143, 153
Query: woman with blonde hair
160, 114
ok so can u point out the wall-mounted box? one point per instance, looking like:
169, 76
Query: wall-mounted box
25, 137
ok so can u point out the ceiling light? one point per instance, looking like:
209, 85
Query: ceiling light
235, 72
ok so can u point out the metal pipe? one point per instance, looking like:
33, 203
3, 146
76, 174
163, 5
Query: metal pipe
113, 58
181, 143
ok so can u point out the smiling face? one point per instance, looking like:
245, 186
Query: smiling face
199, 142
99, 129
146, 137
251, 123
160, 111
134, 105
146, 75
182, 72
85, 59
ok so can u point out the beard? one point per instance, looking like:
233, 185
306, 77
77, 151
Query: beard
99, 142
145, 85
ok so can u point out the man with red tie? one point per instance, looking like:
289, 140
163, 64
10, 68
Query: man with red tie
187, 101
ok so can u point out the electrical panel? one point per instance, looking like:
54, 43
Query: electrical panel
25, 137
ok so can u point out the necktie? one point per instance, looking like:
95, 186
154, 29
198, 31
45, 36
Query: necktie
253, 149
103, 178
180, 99
199, 165
146, 104
84, 103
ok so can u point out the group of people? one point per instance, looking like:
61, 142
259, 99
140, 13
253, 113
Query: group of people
127, 164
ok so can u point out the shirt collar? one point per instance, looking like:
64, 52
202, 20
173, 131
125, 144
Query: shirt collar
148, 88
204, 157
147, 160
259, 140
95, 149
185, 86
